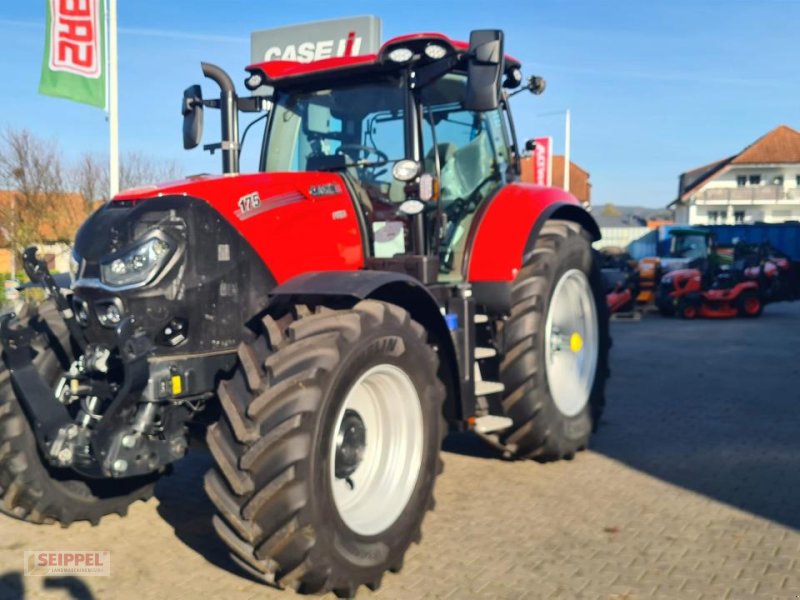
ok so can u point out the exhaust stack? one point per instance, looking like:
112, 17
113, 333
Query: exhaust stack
229, 117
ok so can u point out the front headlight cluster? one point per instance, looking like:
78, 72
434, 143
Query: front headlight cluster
138, 265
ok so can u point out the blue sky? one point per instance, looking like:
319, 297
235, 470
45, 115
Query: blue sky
654, 87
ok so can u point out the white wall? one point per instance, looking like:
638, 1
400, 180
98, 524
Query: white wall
620, 236
756, 206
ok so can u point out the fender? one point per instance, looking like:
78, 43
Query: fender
504, 233
396, 288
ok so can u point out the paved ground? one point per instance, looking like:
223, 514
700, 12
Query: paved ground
691, 489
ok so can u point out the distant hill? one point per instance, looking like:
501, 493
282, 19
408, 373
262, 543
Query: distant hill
616, 215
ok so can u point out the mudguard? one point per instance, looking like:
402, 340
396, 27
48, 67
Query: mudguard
396, 288
504, 231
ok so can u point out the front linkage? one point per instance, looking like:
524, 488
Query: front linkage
111, 414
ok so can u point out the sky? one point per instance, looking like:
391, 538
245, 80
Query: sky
654, 87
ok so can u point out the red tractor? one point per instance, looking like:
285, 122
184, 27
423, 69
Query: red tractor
383, 276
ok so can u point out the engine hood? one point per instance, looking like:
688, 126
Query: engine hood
213, 188
296, 222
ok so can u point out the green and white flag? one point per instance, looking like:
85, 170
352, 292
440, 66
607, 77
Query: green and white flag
74, 55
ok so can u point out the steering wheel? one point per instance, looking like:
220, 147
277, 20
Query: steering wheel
366, 151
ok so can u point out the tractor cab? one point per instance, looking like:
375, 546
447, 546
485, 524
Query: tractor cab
689, 248
420, 133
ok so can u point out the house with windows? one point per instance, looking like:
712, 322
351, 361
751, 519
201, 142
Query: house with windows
759, 184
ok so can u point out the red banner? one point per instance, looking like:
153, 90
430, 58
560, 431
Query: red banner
543, 161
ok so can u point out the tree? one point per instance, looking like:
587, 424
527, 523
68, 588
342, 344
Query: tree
137, 170
90, 174
36, 205
90, 179
609, 210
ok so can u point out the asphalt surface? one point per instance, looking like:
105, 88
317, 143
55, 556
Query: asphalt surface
691, 490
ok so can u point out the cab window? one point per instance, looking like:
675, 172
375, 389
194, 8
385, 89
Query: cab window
472, 155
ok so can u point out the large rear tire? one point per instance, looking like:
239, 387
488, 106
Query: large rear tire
555, 347
30, 489
328, 448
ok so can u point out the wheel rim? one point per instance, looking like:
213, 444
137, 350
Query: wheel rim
751, 305
571, 342
376, 449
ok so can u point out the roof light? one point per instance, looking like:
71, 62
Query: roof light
435, 51
400, 55
255, 81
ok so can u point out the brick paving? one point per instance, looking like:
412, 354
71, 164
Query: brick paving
691, 490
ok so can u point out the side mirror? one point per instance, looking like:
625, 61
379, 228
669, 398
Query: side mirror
192, 111
530, 145
536, 84
484, 69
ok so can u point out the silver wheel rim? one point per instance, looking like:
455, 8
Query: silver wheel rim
571, 342
384, 406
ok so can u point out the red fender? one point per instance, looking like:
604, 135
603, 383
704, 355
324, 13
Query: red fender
505, 227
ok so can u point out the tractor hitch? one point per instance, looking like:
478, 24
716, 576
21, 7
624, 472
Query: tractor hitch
38, 272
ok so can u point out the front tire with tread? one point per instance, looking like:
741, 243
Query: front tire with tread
30, 489
270, 485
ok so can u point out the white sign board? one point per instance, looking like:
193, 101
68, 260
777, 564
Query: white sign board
352, 36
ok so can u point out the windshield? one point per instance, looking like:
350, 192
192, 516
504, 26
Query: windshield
334, 129
689, 246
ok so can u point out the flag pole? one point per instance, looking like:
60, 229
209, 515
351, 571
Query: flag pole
567, 135
113, 102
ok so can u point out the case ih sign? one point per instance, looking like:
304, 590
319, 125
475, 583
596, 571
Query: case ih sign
318, 40
75, 33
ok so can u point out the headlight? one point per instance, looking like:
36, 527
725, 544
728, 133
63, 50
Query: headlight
137, 266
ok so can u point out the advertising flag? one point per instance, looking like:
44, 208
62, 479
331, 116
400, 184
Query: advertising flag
543, 161
74, 54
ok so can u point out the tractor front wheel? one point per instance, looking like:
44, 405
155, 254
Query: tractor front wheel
31, 489
328, 449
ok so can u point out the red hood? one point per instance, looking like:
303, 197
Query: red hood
210, 187
296, 222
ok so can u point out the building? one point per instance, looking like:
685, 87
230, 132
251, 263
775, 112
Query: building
55, 229
579, 185
759, 184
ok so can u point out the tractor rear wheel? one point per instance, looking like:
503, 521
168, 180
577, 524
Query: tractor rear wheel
328, 447
749, 304
30, 489
555, 347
